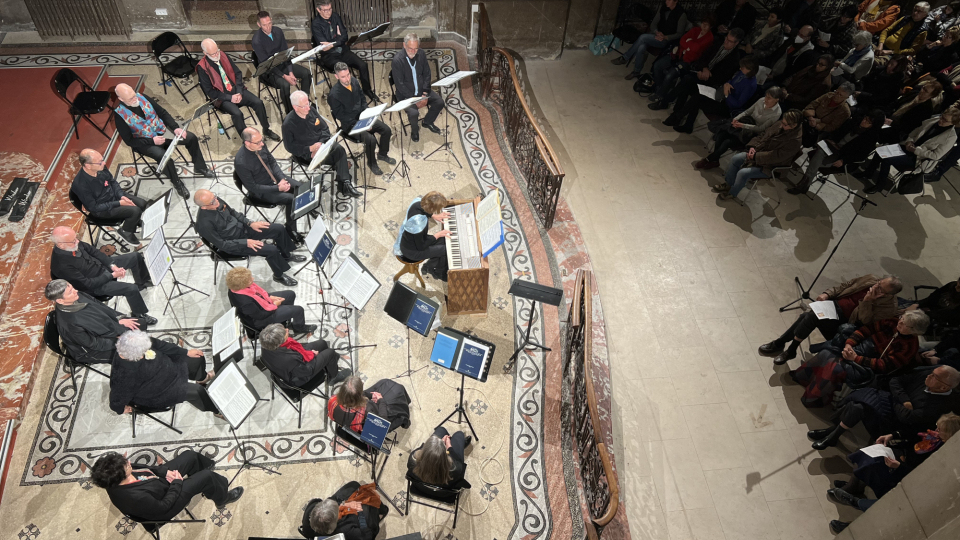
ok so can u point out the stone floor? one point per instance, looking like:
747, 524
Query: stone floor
710, 443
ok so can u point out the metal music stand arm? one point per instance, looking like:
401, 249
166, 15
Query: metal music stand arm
244, 463
446, 129
460, 411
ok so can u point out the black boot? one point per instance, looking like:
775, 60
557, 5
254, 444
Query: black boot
830, 440
801, 188
817, 434
773, 348
788, 354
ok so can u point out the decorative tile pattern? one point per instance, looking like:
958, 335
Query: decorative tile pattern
30, 532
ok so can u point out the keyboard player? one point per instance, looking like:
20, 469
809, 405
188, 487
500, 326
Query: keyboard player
415, 243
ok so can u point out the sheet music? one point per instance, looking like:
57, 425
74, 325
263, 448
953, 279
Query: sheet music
825, 147
762, 73
489, 222
311, 52
316, 233
852, 101
401, 105
153, 248
170, 150
155, 216
225, 330
323, 152
353, 283
159, 266
878, 450
825, 36
889, 151
708, 91
453, 79
371, 112
230, 393
235, 346
825, 309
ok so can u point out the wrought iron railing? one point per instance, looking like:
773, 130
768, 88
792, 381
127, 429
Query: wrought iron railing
598, 481
502, 85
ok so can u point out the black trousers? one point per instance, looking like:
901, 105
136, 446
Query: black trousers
724, 140
197, 396
370, 142
807, 322
281, 84
328, 60
131, 291
287, 199
685, 89
434, 106
276, 253
698, 103
249, 100
129, 214
285, 312
328, 361
338, 160
156, 152
197, 480
437, 255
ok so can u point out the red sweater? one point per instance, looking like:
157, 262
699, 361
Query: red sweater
692, 45
902, 351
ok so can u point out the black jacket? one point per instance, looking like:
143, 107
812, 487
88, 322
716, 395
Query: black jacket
350, 524
744, 19
154, 499
858, 148
301, 133
326, 30
155, 383
209, 90
100, 193
249, 310
223, 227
458, 468
793, 16
413, 244
253, 176
89, 329
140, 143
403, 75
722, 70
346, 105
290, 366
87, 268
943, 304
264, 48
927, 407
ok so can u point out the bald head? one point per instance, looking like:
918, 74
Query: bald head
204, 197
91, 161
125, 93
209, 47
63, 236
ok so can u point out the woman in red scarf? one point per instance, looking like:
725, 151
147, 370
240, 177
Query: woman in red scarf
302, 366
257, 308
386, 399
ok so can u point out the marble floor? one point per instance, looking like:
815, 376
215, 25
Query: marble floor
710, 444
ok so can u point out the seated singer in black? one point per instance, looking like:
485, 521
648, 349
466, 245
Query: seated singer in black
222, 81
304, 131
299, 365
231, 232
263, 178
258, 309
415, 242
328, 29
411, 77
268, 42
439, 460
90, 271
141, 123
354, 511
346, 104
161, 492
103, 197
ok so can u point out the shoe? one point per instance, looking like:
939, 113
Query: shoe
375, 169
632, 75
467, 441
874, 188
843, 497
830, 440
657, 105
930, 178
294, 258
683, 129
150, 321
725, 196
839, 484
341, 376
838, 526
415, 136
816, 435
284, 279
386, 159
182, 189
347, 189
720, 188
799, 189
271, 135
305, 329
298, 238
129, 237
784, 357
206, 173
671, 120
705, 164
433, 128
619, 61
772, 349
232, 496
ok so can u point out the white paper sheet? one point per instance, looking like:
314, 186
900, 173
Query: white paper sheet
231, 395
401, 105
154, 216
762, 73
708, 91
310, 53
170, 150
825, 36
373, 111
452, 79
225, 330
160, 265
852, 101
316, 234
879, 450
353, 283
489, 221
323, 152
153, 248
825, 147
890, 150
824, 310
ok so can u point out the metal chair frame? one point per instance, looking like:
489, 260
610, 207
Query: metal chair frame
294, 394
99, 223
219, 256
171, 39
249, 201
149, 413
138, 157
153, 527
62, 81
367, 454
54, 342
441, 493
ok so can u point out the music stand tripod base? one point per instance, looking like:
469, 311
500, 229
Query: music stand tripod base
242, 458
462, 415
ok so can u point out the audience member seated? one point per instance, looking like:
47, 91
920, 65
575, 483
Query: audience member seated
668, 68
808, 84
263, 178
876, 15
883, 85
942, 305
91, 271
411, 77
947, 162
915, 401
231, 232
735, 14
414, 241
941, 19
945, 353
915, 108
907, 35
141, 123
222, 81
155, 374
439, 460
161, 492
261, 308
735, 133
778, 146
712, 68
298, 365
826, 113
858, 61
304, 132
386, 399
667, 25
347, 102
354, 511
270, 41
89, 329
863, 300
936, 56
853, 148
883, 474
736, 93
792, 57
103, 197
800, 13
841, 30
765, 37
328, 29
929, 142
882, 347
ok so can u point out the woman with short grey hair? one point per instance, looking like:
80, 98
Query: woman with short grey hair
360, 508
304, 365
155, 374
858, 62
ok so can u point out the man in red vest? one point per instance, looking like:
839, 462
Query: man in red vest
222, 81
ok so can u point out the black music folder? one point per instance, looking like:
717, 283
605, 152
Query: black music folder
463, 353
416, 311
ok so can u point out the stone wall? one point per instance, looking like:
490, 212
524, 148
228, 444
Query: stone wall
533, 28
14, 16
142, 14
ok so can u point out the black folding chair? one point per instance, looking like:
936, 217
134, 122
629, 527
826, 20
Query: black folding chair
348, 141
153, 527
215, 111
180, 67
140, 158
351, 440
51, 338
149, 412
219, 256
446, 496
294, 394
249, 201
272, 91
85, 103
99, 223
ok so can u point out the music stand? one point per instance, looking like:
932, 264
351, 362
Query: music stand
535, 293
200, 111
368, 118
448, 82
356, 285
309, 56
374, 437
400, 107
469, 356
415, 311
369, 35
235, 398
159, 261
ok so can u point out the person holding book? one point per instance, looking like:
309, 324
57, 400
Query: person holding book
305, 131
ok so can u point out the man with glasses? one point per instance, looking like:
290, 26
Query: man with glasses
91, 271
328, 29
270, 41
412, 77
222, 81
304, 131
103, 197
713, 68
263, 179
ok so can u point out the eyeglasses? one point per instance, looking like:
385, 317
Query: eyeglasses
943, 382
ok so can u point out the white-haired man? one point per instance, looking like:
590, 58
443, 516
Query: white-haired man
304, 131
412, 77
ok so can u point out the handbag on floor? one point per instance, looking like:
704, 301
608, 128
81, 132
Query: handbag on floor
910, 184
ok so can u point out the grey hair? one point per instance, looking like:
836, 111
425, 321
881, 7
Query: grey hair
132, 344
862, 38
55, 289
848, 87
952, 376
323, 517
895, 281
917, 320
247, 134
340, 66
923, 5
60, 234
775, 92
272, 336
410, 37
298, 97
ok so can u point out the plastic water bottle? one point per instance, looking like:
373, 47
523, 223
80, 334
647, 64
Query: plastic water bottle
219, 127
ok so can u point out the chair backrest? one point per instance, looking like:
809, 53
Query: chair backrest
432, 492
75, 201
163, 42
248, 325
238, 183
51, 334
62, 81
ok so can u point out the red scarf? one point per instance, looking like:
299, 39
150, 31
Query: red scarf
261, 296
295, 345
217, 81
